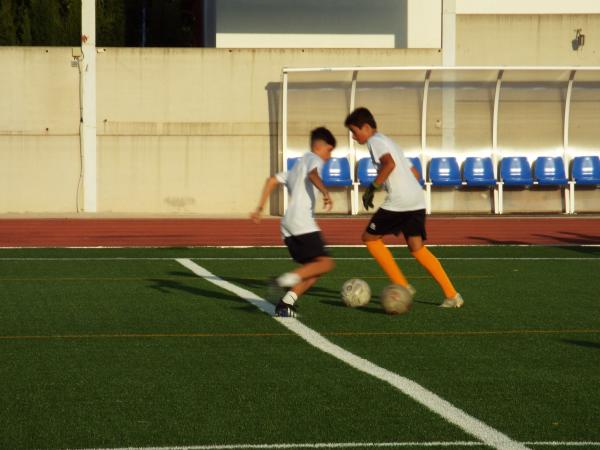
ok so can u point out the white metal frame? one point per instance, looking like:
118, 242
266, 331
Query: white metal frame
424, 141
284, 131
498, 191
427, 71
353, 160
570, 201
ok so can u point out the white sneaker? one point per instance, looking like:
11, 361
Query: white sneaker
288, 279
454, 302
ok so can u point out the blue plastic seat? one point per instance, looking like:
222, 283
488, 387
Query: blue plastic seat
550, 171
336, 172
479, 171
515, 171
586, 170
366, 171
291, 162
444, 172
416, 162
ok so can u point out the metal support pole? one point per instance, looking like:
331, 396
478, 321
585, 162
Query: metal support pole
87, 71
424, 139
351, 107
354, 193
424, 112
284, 132
498, 191
568, 111
570, 199
495, 118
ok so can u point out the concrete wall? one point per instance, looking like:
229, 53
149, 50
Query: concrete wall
39, 130
179, 131
196, 130
526, 40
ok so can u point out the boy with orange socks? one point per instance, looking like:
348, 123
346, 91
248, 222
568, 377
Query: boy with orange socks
403, 210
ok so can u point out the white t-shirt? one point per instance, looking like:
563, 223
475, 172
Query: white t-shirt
404, 191
299, 216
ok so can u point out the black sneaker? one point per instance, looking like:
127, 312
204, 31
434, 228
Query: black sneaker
282, 309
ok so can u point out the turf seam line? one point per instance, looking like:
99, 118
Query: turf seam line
258, 334
285, 258
142, 247
432, 401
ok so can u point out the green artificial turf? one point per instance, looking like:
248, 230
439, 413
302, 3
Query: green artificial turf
141, 352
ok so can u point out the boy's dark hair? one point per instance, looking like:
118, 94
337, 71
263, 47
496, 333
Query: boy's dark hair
322, 134
359, 117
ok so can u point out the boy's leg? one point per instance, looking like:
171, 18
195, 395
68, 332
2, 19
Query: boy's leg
319, 266
295, 292
309, 250
304, 286
431, 264
384, 258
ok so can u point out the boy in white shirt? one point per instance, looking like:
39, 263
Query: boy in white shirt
300, 232
403, 210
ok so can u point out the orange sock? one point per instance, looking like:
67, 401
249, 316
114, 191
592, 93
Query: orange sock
433, 266
385, 259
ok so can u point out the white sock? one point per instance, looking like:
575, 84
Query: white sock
288, 279
290, 298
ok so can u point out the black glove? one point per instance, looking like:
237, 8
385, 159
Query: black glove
369, 194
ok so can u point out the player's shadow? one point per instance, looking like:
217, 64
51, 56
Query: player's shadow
582, 343
575, 240
427, 302
366, 309
254, 283
169, 285
489, 240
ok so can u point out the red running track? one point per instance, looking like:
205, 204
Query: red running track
340, 231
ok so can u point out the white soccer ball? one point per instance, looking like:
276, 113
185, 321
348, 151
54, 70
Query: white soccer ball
355, 293
396, 299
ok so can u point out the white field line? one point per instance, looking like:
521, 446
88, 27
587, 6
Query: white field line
284, 258
353, 445
438, 405
311, 445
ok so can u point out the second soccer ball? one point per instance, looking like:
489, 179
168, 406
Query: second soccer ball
396, 299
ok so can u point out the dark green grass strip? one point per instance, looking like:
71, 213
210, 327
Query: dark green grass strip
240, 382
255, 335
206, 252
509, 357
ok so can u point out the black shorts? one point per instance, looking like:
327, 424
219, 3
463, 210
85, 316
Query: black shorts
409, 223
305, 248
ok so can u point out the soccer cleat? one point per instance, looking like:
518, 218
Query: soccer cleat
454, 302
288, 279
411, 289
282, 309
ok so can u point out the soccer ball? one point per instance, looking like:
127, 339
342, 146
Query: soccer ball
396, 299
355, 293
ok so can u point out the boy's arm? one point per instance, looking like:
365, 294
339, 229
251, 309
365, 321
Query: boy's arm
269, 186
416, 173
315, 179
387, 165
